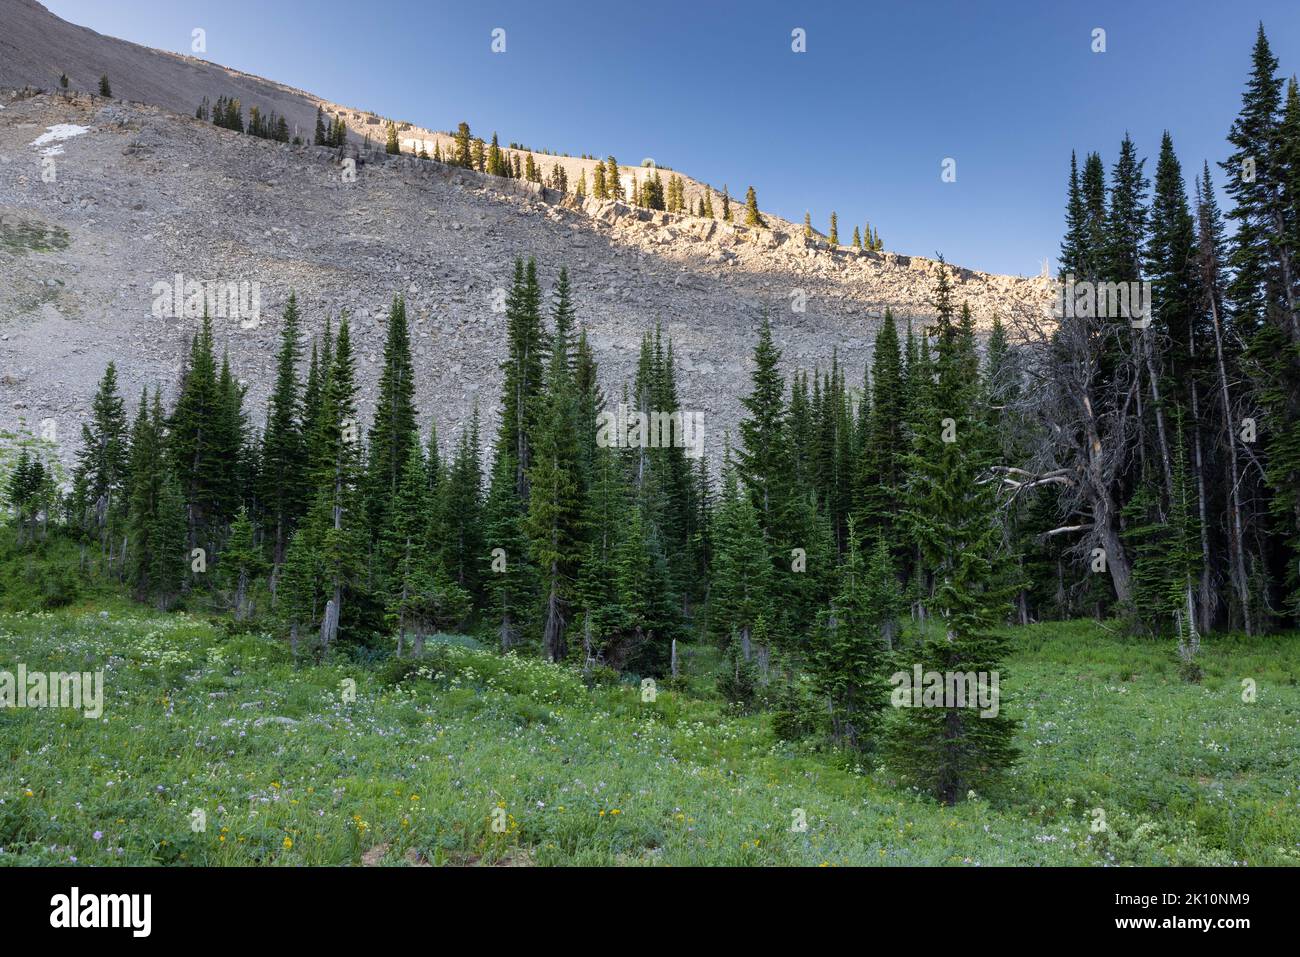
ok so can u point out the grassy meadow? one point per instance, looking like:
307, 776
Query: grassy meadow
468, 757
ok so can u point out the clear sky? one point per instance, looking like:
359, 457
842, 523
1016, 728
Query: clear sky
860, 123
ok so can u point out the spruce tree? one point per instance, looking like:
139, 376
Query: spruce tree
613, 182
457, 516
419, 596
100, 478
752, 216
393, 430
741, 572
285, 483
461, 149
509, 578
850, 647
241, 566
948, 746
194, 441
337, 536
555, 500
523, 371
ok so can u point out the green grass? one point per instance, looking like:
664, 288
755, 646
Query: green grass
412, 770
19, 236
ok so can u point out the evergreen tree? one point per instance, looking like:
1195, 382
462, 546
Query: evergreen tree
242, 565
752, 216
850, 648
419, 595
100, 478
496, 163
555, 494
332, 545
834, 236
881, 474
284, 454
461, 149
155, 557
1264, 293
523, 372
741, 573
393, 432
199, 452
457, 530
613, 182
947, 746
509, 578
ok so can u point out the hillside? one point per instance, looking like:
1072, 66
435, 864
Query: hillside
148, 192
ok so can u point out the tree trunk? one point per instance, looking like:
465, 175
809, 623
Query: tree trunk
1237, 561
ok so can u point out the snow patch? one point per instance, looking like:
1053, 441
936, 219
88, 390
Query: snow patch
60, 131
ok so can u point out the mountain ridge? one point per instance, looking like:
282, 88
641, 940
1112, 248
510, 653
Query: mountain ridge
148, 191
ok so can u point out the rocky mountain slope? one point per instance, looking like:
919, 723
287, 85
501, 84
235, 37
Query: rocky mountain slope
100, 201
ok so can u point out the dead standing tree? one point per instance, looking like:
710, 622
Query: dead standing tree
1087, 431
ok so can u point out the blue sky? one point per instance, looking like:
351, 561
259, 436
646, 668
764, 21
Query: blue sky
859, 124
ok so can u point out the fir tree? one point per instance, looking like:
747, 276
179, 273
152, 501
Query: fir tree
242, 565
457, 531
850, 648
555, 501
100, 479
741, 572
284, 452
393, 431
613, 182
752, 216
419, 596
523, 371
461, 149
509, 578
949, 746
333, 545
